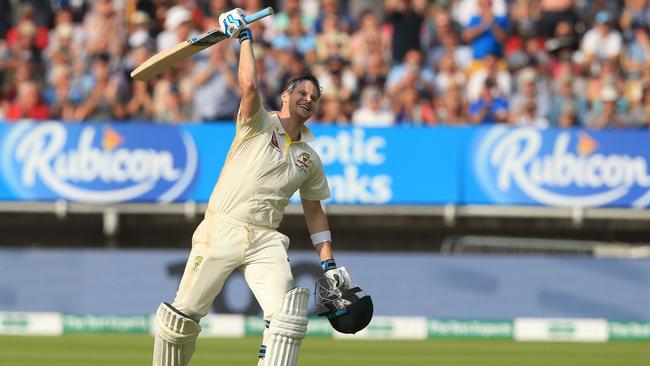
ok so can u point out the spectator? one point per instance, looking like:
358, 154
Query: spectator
27, 23
330, 111
366, 41
330, 8
491, 69
449, 44
178, 27
139, 30
406, 21
337, 79
448, 74
491, 106
607, 111
172, 96
636, 13
297, 39
281, 20
528, 89
527, 115
413, 63
374, 111
140, 106
22, 73
438, 22
376, 72
332, 41
215, 80
566, 105
451, 107
104, 98
568, 116
28, 105
104, 30
413, 108
61, 98
606, 73
637, 53
602, 42
640, 113
486, 32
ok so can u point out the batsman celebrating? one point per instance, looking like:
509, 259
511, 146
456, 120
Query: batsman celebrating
269, 160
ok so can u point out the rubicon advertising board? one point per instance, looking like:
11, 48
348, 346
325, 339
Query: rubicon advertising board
404, 165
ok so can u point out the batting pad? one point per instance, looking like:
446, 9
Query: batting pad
175, 337
288, 328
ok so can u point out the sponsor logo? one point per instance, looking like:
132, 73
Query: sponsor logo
352, 153
559, 169
99, 164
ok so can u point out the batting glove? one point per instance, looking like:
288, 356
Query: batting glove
339, 277
232, 22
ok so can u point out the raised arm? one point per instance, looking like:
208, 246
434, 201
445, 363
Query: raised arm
247, 75
234, 24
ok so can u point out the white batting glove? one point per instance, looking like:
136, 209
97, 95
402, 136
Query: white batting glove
339, 277
232, 22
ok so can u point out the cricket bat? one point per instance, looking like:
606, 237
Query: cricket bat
165, 59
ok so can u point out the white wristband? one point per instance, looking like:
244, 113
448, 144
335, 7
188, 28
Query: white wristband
321, 237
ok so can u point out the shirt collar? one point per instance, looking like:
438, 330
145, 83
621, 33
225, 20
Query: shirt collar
305, 133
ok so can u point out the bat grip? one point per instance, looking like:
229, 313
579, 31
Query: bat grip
259, 15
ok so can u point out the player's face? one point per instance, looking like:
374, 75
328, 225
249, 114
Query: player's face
303, 100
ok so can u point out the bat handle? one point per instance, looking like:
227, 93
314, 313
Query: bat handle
259, 15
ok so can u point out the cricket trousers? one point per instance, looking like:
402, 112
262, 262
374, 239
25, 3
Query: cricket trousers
221, 244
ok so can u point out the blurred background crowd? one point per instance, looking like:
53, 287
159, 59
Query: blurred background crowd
381, 63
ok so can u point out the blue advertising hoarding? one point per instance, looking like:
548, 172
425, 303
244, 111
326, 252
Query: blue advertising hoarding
130, 162
555, 167
109, 163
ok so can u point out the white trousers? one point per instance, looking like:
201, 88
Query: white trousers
220, 245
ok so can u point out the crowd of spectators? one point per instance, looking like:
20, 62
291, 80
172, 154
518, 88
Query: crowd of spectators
381, 63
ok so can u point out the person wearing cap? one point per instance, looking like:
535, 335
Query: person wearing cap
178, 27
528, 89
607, 112
602, 41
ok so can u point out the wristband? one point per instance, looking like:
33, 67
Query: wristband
321, 237
245, 34
328, 264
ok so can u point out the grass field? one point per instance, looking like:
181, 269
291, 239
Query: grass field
127, 350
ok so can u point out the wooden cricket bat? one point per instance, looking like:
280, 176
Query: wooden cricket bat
165, 59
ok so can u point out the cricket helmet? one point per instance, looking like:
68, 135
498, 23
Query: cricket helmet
348, 310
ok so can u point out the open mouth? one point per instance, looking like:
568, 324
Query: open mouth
305, 107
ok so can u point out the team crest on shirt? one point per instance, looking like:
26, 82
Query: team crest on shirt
274, 141
303, 161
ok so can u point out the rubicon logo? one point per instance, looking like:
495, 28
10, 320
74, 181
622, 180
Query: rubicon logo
560, 169
99, 164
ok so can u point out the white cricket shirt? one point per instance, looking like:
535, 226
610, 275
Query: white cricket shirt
263, 169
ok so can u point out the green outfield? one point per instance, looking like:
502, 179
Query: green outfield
125, 350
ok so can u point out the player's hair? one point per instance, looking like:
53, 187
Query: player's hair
305, 77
